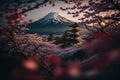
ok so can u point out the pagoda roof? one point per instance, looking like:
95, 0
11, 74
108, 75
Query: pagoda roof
74, 25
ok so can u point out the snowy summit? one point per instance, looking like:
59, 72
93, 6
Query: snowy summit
54, 17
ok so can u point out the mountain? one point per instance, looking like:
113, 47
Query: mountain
55, 18
51, 23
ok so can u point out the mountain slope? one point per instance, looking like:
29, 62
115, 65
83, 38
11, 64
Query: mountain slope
51, 23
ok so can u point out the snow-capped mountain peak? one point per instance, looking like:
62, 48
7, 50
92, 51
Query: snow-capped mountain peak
51, 23
54, 17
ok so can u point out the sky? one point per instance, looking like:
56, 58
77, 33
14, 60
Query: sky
39, 13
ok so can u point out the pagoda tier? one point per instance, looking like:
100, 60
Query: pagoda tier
72, 37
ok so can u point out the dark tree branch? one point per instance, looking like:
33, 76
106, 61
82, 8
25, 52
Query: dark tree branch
88, 28
115, 4
108, 25
112, 18
35, 6
45, 1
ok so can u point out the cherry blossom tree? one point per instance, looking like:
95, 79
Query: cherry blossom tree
14, 12
36, 45
97, 14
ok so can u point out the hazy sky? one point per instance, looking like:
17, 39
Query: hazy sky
42, 11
